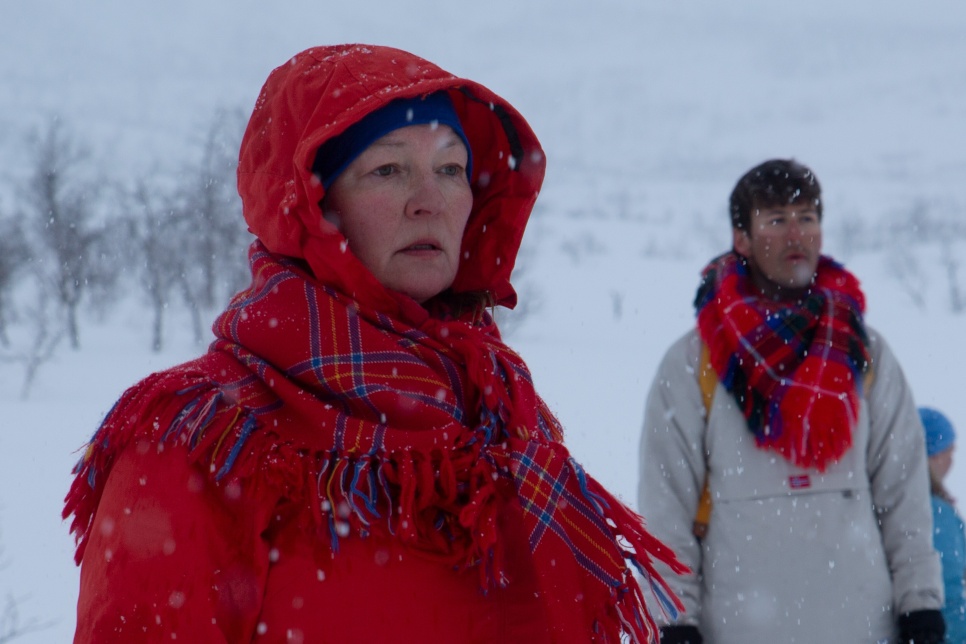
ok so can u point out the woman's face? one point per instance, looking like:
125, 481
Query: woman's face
403, 205
941, 463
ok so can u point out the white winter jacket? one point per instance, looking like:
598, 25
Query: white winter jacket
791, 555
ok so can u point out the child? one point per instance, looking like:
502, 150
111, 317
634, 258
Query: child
949, 538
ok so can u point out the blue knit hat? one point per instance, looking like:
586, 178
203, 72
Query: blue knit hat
940, 435
337, 153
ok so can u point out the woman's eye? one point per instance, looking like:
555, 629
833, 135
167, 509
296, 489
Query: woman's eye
384, 170
453, 170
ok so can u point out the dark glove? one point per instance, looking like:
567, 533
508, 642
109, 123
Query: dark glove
919, 627
682, 634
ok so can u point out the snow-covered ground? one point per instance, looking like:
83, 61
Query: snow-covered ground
648, 112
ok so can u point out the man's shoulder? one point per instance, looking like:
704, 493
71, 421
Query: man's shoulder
684, 350
685, 344
878, 346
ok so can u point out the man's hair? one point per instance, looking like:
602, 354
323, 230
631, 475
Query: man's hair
777, 182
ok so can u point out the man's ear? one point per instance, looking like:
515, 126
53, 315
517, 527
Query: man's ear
741, 242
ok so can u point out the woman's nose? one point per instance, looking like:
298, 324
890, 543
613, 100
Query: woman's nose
425, 196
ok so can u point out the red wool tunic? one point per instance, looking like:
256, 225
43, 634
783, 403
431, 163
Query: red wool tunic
173, 557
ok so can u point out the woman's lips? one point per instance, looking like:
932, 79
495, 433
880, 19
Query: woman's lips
422, 247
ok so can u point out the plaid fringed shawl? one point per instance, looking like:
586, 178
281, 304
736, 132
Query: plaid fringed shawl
794, 369
421, 431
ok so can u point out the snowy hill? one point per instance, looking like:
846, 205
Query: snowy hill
648, 112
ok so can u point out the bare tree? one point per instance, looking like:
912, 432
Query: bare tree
40, 332
218, 237
13, 626
951, 262
154, 238
59, 204
13, 257
904, 267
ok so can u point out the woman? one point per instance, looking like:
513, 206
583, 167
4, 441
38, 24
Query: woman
949, 537
359, 456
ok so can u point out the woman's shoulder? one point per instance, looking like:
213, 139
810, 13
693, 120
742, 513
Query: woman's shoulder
184, 408
949, 532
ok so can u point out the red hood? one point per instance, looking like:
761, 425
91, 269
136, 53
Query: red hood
322, 91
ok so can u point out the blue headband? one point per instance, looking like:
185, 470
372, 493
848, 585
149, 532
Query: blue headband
939, 431
338, 152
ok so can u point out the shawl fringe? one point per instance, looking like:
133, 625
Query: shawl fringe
414, 496
158, 413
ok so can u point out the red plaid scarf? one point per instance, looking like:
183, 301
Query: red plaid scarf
422, 430
794, 369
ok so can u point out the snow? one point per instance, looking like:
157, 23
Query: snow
648, 112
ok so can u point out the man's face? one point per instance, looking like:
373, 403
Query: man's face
782, 246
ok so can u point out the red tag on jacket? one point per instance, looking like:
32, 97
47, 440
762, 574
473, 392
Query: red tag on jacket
799, 481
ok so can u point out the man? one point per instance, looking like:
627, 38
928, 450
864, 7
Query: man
815, 526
